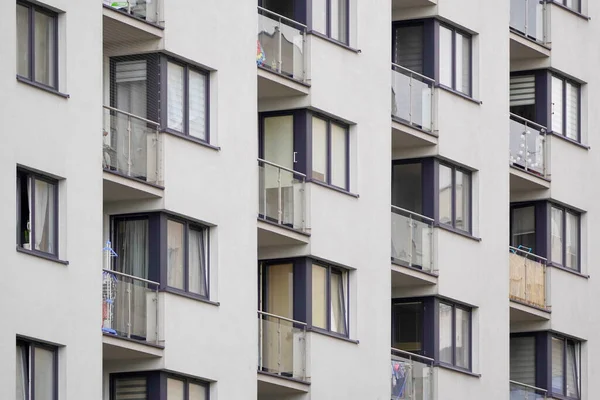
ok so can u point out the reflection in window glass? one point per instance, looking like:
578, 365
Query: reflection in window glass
197, 101
43, 374
319, 296
445, 195
339, 156
463, 201
446, 336
557, 105
197, 262
463, 338
45, 45
572, 370
556, 242
338, 302
175, 94
319, 149
523, 228
558, 365
339, 20
572, 249
407, 331
175, 389
45, 221
175, 255
445, 56
23, 41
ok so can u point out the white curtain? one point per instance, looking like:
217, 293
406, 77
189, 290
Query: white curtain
175, 96
196, 392
319, 296
572, 370
557, 365
338, 302
23, 41
45, 37
21, 389
557, 105
572, 109
175, 255
175, 389
556, 244
43, 374
197, 264
44, 216
197, 101
445, 333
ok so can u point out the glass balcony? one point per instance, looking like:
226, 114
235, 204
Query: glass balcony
412, 98
280, 45
528, 146
530, 19
412, 239
281, 346
130, 146
281, 195
412, 376
130, 307
147, 10
527, 278
520, 391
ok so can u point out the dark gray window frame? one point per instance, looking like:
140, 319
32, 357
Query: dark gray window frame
577, 347
329, 17
24, 174
158, 253
563, 3
577, 85
565, 211
33, 8
330, 121
156, 383
455, 33
454, 169
30, 347
456, 306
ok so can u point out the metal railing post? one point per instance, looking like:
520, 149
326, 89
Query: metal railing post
156, 325
526, 135
279, 346
304, 57
527, 17
128, 146
431, 108
157, 154
431, 262
526, 280
303, 205
279, 199
410, 94
279, 60
410, 240
129, 309
545, 150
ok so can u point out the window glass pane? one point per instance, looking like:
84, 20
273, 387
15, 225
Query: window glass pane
463, 338
23, 41
574, 4
407, 329
556, 244
319, 16
43, 374
319, 296
338, 302
408, 47
132, 247
45, 221
175, 255
25, 198
197, 392
463, 201
522, 360
175, 389
445, 333
406, 187
523, 228
446, 36
319, 149
197, 98
463, 64
445, 195
339, 20
572, 370
572, 241
558, 365
197, 259
175, 101
45, 48
339, 156
22, 373
557, 105
572, 110
131, 389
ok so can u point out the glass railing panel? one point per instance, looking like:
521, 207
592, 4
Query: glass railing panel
527, 277
282, 196
412, 98
130, 145
143, 9
281, 346
129, 307
528, 17
412, 239
528, 146
280, 44
519, 391
411, 377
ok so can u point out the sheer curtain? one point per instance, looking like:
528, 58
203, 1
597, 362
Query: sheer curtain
197, 263
45, 37
43, 374
319, 296
175, 255
175, 96
556, 244
445, 333
557, 365
44, 216
338, 302
572, 370
21, 389
197, 101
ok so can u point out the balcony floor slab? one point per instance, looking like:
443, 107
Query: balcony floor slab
524, 48
403, 276
117, 188
520, 312
120, 27
275, 386
274, 85
522, 181
272, 234
116, 348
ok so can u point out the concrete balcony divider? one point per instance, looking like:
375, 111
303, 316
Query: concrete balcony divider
528, 278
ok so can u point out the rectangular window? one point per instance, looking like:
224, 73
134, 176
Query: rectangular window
37, 44
157, 385
408, 49
331, 17
186, 257
131, 388
187, 101
574, 5
522, 96
522, 227
454, 335
330, 298
455, 59
564, 237
37, 212
566, 367
522, 360
330, 149
185, 389
37, 371
565, 107
407, 320
454, 197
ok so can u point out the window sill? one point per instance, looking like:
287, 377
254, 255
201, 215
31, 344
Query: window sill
456, 369
336, 42
457, 231
337, 189
191, 139
42, 87
577, 13
42, 255
567, 139
331, 334
190, 296
459, 94
569, 270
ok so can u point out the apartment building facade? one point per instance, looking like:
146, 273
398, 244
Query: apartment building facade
228, 236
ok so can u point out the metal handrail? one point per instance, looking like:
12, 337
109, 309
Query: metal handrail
542, 128
281, 318
131, 277
528, 386
410, 71
281, 167
515, 249
412, 355
131, 115
412, 213
282, 17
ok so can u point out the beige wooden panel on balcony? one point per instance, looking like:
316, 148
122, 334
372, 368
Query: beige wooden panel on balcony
527, 281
